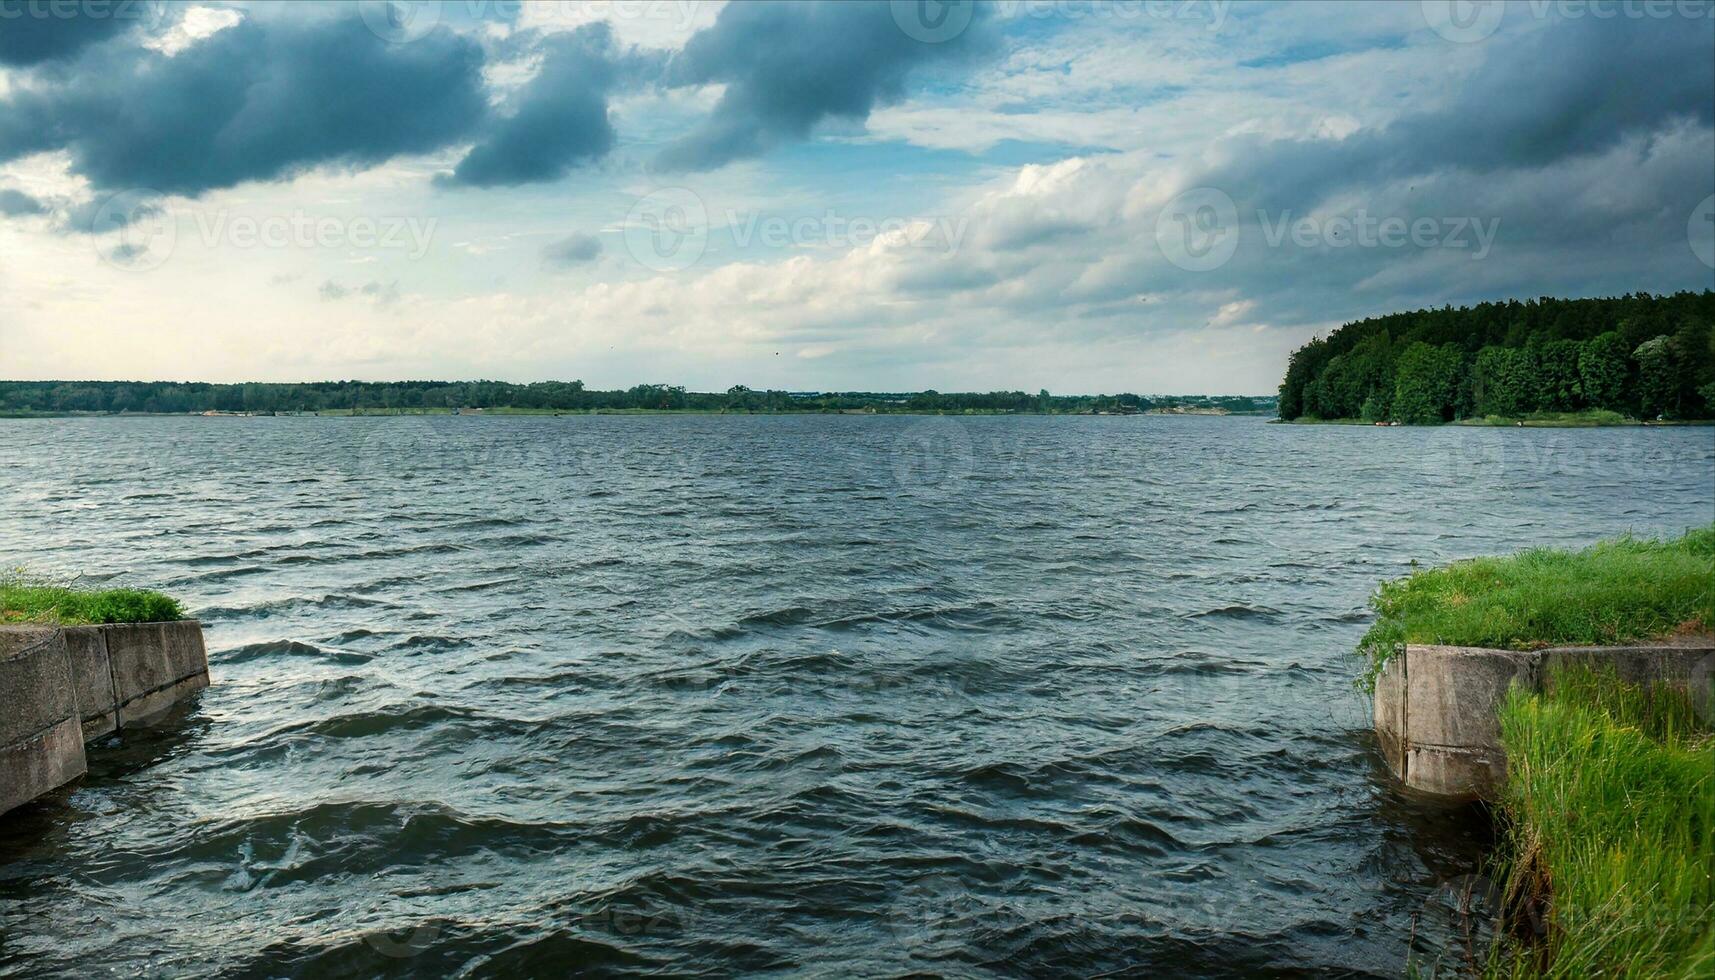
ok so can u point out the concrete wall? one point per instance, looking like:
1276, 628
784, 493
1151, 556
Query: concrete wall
62, 687
1437, 708
41, 738
128, 675
92, 676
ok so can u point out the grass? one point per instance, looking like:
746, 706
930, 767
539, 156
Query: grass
1587, 419
26, 600
1609, 848
1616, 591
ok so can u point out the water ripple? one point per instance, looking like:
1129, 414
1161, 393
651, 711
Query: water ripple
677, 695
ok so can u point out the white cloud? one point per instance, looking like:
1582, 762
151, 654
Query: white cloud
194, 24
1053, 278
650, 23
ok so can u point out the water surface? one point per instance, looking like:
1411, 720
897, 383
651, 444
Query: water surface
809, 694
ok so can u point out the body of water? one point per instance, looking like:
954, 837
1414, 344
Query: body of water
824, 695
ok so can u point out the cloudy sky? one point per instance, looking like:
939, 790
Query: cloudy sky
1156, 196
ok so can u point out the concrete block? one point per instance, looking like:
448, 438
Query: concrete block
1461, 775
36, 690
92, 678
1390, 714
41, 735
155, 666
1676, 663
1453, 693
1437, 708
38, 766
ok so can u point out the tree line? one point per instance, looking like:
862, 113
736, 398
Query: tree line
169, 397
1638, 355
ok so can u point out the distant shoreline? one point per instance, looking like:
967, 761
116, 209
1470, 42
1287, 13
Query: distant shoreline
1562, 420
346, 413
569, 397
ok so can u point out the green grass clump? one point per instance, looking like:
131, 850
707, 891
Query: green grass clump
1616, 591
24, 600
1610, 842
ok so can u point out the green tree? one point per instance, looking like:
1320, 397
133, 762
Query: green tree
1505, 382
1546, 369
1696, 343
1602, 371
1426, 384
1313, 399
1375, 408
1559, 387
1659, 370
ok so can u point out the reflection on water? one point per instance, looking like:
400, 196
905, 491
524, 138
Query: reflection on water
851, 695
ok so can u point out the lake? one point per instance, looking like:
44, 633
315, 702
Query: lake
847, 695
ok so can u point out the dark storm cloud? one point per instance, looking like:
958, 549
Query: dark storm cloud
33, 32
788, 66
14, 203
560, 120
1581, 176
271, 97
252, 102
575, 249
1575, 89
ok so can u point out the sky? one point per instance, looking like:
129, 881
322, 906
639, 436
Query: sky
1157, 196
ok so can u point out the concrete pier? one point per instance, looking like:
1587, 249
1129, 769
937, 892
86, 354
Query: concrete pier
41, 738
1437, 708
61, 687
129, 675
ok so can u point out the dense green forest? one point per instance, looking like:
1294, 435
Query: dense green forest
118, 397
1642, 356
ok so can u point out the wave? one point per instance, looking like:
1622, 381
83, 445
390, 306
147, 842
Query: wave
1238, 611
263, 610
286, 648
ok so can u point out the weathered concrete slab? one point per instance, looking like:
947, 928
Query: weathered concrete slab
35, 683
1458, 774
1437, 708
1452, 692
1681, 663
37, 766
41, 734
155, 666
92, 677
61, 687
1390, 713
